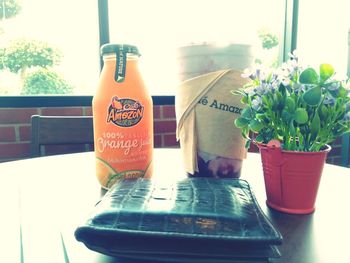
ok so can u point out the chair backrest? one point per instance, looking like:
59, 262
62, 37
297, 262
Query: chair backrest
48, 130
345, 148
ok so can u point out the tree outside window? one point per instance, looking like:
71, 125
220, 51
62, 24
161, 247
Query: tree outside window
30, 60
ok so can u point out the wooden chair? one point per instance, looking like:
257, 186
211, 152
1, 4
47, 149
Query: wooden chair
345, 150
56, 130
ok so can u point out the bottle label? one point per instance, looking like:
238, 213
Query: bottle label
124, 112
121, 64
121, 52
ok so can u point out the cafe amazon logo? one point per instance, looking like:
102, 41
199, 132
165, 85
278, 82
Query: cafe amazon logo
125, 112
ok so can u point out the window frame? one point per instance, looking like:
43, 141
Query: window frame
288, 44
64, 101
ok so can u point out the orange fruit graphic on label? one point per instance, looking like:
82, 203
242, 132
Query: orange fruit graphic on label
104, 171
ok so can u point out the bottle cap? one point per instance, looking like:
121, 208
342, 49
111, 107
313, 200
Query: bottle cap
117, 48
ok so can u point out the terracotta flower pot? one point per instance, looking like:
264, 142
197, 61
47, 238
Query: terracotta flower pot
291, 178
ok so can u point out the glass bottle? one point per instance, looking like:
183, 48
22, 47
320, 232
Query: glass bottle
122, 117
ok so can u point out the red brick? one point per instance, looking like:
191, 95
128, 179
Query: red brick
62, 111
170, 140
24, 133
330, 160
337, 160
16, 115
337, 141
158, 141
253, 148
90, 147
164, 126
168, 111
7, 134
14, 150
156, 112
87, 111
335, 151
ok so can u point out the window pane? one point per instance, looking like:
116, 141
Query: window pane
60, 36
159, 28
323, 37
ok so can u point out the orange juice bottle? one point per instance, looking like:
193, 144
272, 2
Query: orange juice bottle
122, 117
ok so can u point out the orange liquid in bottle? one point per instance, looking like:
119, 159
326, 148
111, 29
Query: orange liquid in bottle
123, 119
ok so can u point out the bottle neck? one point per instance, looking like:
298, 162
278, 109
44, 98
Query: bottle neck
113, 56
121, 65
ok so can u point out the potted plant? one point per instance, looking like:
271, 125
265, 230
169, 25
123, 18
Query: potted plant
295, 112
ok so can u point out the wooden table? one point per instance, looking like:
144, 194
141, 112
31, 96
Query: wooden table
42, 200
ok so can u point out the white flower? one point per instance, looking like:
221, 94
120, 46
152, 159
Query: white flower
247, 73
256, 103
347, 86
285, 82
292, 64
329, 101
293, 55
334, 86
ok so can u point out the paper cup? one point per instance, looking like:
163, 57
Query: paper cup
206, 110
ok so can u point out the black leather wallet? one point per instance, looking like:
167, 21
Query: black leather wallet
193, 220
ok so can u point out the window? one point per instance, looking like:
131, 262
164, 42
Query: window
173, 34
169, 35
48, 47
324, 38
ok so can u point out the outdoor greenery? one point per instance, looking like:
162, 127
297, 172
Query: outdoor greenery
22, 54
304, 108
31, 59
268, 39
269, 43
45, 81
12, 8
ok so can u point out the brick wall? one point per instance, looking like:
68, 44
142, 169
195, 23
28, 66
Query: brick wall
15, 131
334, 155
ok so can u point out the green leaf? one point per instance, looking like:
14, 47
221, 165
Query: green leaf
326, 71
343, 92
259, 138
280, 132
245, 133
256, 125
260, 116
286, 116
323, 112
292, 128
313, 96
266, 101
290, 104
237, 92
281, 100
315, 126
300, 116
282, 89
247, 113
241, 122
301, 142
308, 76
244, 100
